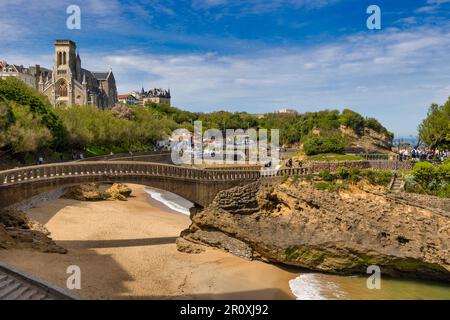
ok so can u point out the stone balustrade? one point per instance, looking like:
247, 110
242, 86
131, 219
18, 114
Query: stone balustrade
79, 169
73, 169
197, 185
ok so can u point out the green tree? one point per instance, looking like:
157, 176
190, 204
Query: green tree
317, 145
12, 89
434, 131
353, 120
28, 132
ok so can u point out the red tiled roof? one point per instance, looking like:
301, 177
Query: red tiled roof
124, 96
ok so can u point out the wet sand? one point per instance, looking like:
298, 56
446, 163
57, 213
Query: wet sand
126, 250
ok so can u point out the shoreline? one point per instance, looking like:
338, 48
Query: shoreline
126, 250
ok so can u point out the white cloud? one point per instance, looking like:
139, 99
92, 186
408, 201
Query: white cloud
432, 6
261, 6
393, 76
438, 1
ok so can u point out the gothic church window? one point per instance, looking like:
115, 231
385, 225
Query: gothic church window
61, 88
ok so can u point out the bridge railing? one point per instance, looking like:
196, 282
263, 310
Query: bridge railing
69, 169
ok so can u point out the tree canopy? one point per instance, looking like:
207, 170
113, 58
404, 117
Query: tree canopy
28, 123
434, 131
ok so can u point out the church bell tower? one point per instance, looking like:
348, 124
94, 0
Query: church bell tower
64, 71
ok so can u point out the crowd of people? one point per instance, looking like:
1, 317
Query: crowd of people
421, 154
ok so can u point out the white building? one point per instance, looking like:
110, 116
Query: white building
128, 99
287, 111
24, 74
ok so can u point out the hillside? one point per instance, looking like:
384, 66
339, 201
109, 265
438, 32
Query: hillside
30, 126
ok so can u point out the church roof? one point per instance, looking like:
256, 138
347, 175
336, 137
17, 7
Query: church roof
101, 75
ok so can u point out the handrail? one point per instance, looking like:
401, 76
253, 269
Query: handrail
133, 168
116, 168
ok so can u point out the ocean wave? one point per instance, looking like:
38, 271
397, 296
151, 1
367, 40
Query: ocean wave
171, 200
312, 286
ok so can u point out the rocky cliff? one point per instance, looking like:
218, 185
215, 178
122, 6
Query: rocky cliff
298, 225
369, 141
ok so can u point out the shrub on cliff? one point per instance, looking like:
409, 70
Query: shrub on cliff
378, 177
14, 90
317, 145
342, 173
326, 175
353, 120
374, 177
424, 173
429, 179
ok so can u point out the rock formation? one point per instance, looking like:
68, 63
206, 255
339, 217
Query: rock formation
92, 192
342, 232
18, 231
368, 142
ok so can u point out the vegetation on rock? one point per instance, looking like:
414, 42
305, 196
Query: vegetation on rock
343, 177
426, 178
319, 145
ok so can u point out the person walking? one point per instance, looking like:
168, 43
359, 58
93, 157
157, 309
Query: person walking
289, 163
406, 155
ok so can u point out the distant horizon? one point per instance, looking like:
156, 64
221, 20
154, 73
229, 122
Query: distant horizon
254, 56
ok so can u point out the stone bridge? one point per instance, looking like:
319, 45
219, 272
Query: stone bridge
196, 185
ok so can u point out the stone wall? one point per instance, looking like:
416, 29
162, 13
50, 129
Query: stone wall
317, 166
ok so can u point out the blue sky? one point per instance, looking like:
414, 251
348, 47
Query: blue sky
255, 55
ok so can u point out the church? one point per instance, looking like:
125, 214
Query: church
69, 84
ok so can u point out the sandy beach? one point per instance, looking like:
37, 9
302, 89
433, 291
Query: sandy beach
126, 250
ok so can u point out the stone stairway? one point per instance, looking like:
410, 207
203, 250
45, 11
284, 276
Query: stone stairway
397, 184
15, 285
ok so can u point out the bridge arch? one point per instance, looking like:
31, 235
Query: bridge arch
196, 185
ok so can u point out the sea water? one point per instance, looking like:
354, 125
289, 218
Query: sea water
170, 200
317, 286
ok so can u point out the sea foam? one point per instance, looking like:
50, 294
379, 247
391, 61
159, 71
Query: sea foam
171, 200
312, 286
